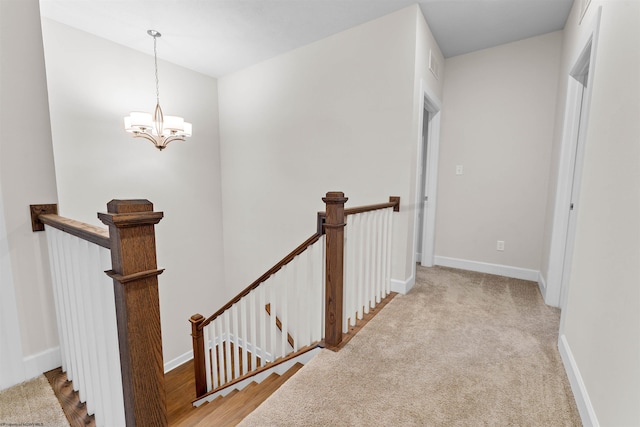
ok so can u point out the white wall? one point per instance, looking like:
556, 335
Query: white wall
337, 114
11, 366
26, 177
497, 122
601, 321
93, 84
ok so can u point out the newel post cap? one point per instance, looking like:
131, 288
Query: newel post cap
130, 213
335, 197
119, 206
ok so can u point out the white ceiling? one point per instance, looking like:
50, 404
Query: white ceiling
217, 37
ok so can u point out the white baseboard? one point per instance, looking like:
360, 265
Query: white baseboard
587, 413
403, 286
174, 363
39, 363
484, 267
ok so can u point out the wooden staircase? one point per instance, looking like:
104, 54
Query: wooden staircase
229, 410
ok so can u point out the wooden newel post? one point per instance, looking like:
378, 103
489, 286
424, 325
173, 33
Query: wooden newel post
135, 279
334, 230
199, 362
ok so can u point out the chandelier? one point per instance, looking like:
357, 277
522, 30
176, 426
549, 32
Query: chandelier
157, 128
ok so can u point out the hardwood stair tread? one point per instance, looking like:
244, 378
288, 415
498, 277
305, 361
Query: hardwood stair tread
195, 414
232, 413
234, 418
234, 407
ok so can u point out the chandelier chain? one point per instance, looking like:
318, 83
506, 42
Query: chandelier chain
155, 57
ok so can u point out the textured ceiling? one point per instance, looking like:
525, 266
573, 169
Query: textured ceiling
217, 37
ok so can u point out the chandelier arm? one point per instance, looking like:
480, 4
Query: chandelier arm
173, 138
159, 142
146, 136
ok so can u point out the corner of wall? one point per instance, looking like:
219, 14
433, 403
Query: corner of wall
585, 408
542, 284
44, 361
403, 286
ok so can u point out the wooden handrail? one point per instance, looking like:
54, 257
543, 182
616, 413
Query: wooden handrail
394, 202
90, 233
284, 261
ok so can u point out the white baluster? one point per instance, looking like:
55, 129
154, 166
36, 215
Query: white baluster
323, 278
389, 248
227, 339
305, 293
235, 355
68, 308
245, 336
94, 282
285, 316
367, 261
314, 296
346, 278
273, 342
262, 323
94, 393
70, 260
358, 265
209, 373
54, 257
84, 328
379, 250
210, 346
295, 301
372, 258
220, 337
111, 342
253, 327
385, 249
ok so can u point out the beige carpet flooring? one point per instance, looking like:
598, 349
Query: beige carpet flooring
31, 403
460, 349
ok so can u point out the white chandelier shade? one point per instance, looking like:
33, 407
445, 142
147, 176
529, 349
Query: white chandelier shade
139, 122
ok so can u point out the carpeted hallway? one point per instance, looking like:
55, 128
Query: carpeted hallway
31, 403
461, 349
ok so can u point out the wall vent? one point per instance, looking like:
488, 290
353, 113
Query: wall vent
434, 65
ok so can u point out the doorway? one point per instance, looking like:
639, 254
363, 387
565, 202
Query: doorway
569, 177
580, 74
426, 179
422, 183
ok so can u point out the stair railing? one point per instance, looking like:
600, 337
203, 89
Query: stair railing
252, 330
298, 303
368, 240
110, 338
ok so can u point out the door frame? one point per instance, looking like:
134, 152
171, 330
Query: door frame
428, 102
576, 121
